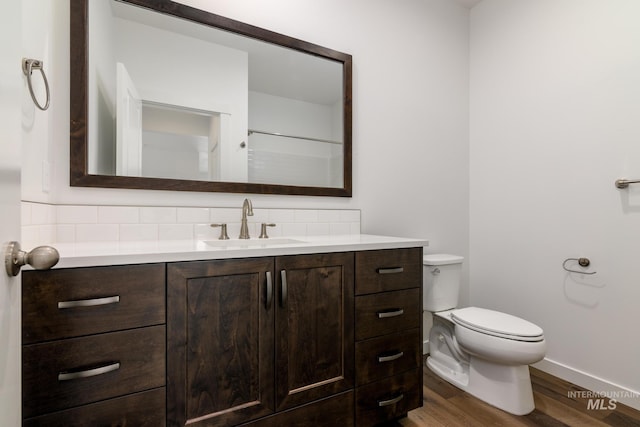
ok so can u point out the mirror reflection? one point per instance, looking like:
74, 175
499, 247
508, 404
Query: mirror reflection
173, 99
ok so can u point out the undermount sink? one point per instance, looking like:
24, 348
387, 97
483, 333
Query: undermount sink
250, 243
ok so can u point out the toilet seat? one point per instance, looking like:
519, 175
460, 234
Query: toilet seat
497, 324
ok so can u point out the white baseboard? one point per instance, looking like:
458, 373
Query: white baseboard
582, 379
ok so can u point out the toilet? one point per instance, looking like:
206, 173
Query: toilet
486, 353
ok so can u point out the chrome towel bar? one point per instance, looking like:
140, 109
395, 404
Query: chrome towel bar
624, 183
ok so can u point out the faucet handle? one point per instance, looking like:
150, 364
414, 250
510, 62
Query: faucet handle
223, 231
263, 230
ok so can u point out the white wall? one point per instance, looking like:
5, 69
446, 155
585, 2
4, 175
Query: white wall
40, 41
555, 120
411, 103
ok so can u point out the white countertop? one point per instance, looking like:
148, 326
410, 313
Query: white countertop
141, 252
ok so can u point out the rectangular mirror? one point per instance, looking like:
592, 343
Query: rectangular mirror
165, 96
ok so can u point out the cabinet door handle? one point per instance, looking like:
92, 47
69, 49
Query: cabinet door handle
391, 401
390, 313
89, 302
391, 357
283, 288
73, 375
269, 291
390, 270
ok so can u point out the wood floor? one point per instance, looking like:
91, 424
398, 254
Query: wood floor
445, 405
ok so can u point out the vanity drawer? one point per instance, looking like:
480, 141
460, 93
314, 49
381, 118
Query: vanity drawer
387, 312
82, 301
386, 356
388, 398
388, 270
145, 409
62, 374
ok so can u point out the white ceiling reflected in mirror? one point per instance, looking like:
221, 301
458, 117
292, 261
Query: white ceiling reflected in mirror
171, 97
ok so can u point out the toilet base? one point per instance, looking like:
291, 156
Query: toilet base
503, 386
457, 377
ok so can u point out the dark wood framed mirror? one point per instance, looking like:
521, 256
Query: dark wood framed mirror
246, 146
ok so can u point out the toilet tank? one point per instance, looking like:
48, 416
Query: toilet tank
441, 281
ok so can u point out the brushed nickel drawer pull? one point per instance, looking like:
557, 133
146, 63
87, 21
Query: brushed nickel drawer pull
283, 288
392, 313
391, 270
89, 302
269, 291
391, 357
66, 376
390, 401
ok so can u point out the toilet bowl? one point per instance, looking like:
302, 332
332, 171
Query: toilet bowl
483, 352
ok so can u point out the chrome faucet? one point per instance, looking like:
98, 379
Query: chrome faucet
247, 209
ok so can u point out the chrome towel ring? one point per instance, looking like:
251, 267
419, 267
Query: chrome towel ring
582, 262
28, 65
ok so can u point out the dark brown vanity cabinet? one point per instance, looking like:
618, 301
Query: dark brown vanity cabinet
249, 338
307, 340
94, 346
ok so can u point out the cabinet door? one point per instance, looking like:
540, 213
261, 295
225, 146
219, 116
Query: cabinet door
314, 327
220, 342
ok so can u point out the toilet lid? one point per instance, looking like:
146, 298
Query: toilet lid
497, 324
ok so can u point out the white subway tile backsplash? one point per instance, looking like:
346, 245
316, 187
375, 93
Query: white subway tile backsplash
192, 215
294, 229
354, 228
76, 214
175, 231
118, 215
318, 229
158, 215
205, 232
259, 216
305, 215
44, 223
97, 233
131, 232
338, 228
42, 214
328, 215
47, 233
65, 233
30, 237
25, 213
274, 231
281, 215
350, 215
233, 230
225, 215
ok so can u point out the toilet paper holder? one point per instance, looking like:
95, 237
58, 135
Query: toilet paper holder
582, 262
